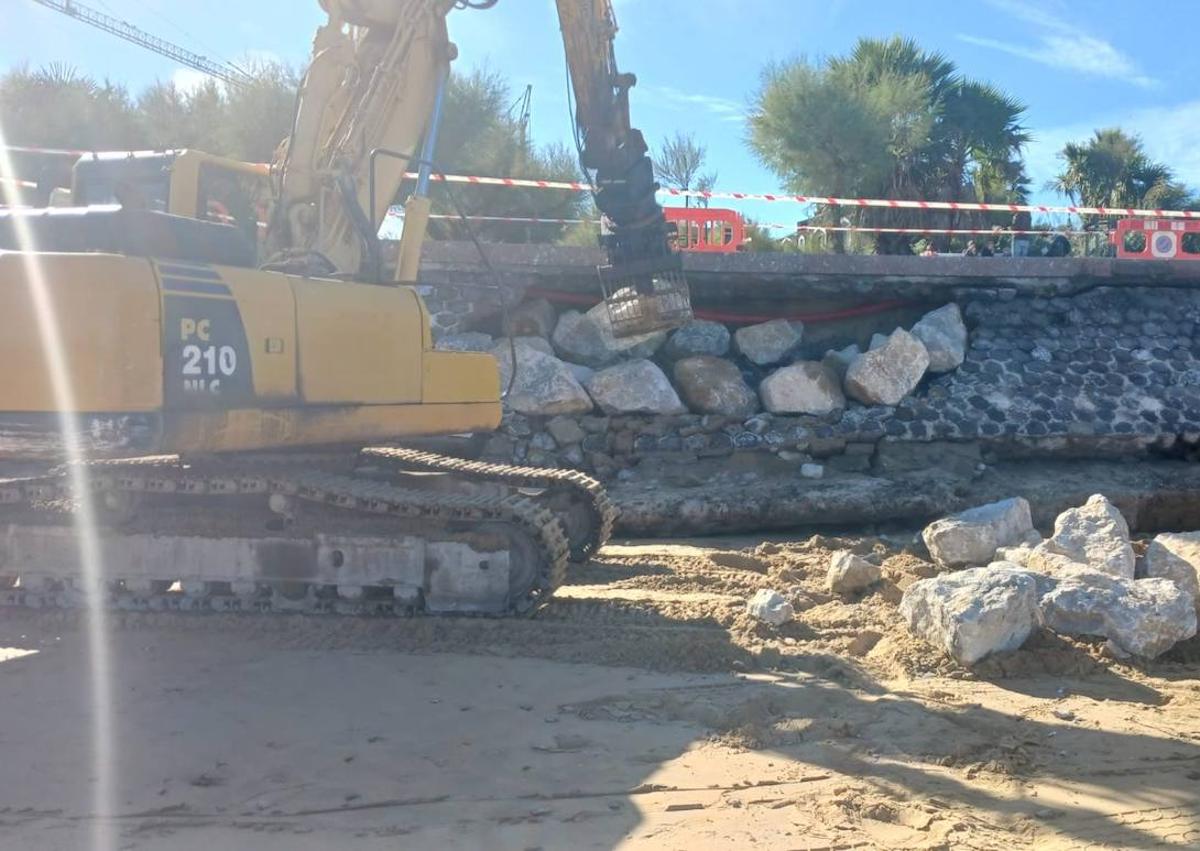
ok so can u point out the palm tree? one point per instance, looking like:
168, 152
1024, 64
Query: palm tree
1112, 169
889, 120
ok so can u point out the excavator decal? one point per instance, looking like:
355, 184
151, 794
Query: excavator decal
205, 352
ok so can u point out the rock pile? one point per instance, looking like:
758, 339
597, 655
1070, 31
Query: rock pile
711, 370
1082, 581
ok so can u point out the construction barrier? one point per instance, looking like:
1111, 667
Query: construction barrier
1156, 239
707, 229
820, 200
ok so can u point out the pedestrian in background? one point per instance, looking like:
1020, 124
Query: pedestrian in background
1022, 223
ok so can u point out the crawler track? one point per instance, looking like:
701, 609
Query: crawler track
582, 490
540, 551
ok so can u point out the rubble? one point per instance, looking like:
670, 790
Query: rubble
973, 613
634, 387
1094, 534
768, 342
586, 338
502, 345
1139, 617
812, 471
1176, 556
805, 387
770, 607
973, 536
710, 385
885, 375
945, 337
849, 573
698, 337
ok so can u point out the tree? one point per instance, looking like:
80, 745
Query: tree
478, 136
677, 164
59, 108
1112, 169
888, 121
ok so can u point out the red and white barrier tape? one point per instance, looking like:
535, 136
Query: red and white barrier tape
885, 203
951, 231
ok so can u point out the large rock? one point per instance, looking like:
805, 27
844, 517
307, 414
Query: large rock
587, 338
710, 385
533, 318
839, 360
1176, 556
634, 387
768, 342
885, 375
699, 337
806, 387
464, 341
945, 337
849, 573
539, 344
1142, 617
770, 607
544, 386
973, 613
973, 536
1094, 534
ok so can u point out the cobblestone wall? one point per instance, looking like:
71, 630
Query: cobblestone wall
1113, 370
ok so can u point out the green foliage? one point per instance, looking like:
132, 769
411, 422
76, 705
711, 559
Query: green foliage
1112, 169
677, 164
56, 107
889, 121
478, 136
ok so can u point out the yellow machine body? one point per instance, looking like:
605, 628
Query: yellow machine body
187, 358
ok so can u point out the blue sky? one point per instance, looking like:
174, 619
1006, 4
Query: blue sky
1076, 65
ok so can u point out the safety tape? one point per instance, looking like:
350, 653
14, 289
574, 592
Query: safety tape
886, 203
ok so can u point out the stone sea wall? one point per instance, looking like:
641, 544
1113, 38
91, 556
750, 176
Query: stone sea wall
1111, 370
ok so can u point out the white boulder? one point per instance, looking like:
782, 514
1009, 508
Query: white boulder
768, 342
770, 607
1094, 534
973, 613
806, 387
698, 337
885, 375
634, 387
587, 338
544, 385
973, 536
945, 337
1176, 556
711, 385
849, 573
1141, 617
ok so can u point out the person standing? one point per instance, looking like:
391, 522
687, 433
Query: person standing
1022, 223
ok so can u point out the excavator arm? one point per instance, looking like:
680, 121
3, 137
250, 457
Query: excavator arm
376, 83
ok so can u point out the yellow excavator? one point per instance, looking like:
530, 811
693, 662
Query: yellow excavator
233, 397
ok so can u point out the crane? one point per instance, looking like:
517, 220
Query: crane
130, 33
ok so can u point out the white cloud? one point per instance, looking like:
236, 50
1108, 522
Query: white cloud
672, 98
188, 80
1061, 44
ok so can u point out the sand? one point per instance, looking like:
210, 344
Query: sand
641, 709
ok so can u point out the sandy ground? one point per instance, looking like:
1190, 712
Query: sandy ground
641, 709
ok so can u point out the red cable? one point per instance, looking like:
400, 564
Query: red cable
738, 318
